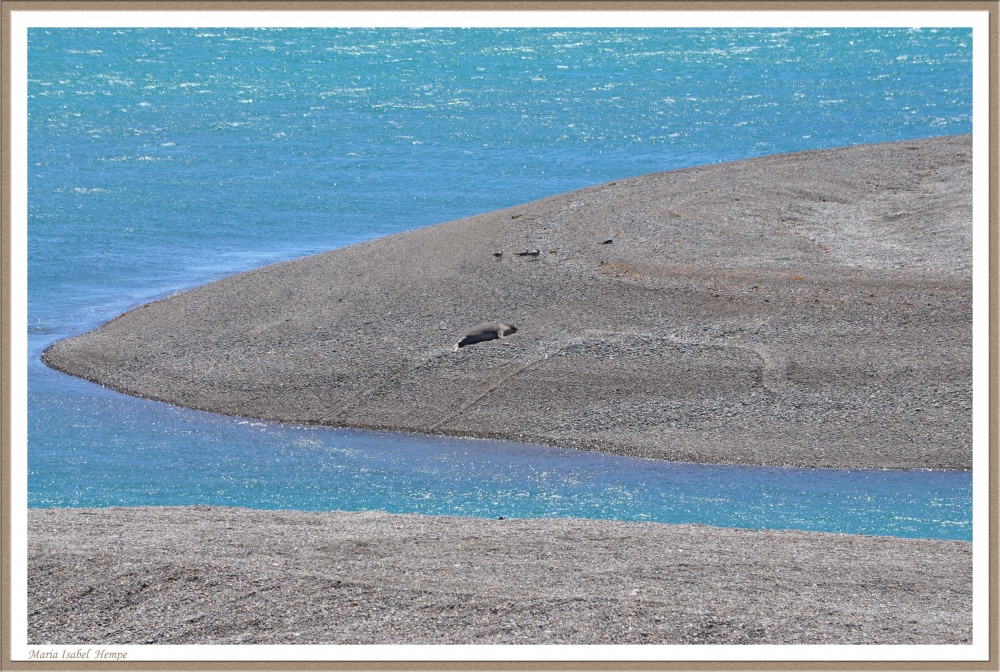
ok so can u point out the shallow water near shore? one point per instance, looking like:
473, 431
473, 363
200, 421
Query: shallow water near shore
163, 159
165, 456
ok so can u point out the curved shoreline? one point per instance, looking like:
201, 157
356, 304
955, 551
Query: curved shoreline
809, 309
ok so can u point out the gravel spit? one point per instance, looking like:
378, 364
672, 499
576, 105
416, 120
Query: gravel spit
809, 309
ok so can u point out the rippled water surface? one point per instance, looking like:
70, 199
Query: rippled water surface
165, 455
162, 159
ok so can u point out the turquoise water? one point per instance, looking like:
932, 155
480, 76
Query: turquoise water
162, 159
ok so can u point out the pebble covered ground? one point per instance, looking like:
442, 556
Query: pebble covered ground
808, 309
204, 575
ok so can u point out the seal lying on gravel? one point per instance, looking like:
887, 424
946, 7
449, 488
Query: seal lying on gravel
808, 309
487, 331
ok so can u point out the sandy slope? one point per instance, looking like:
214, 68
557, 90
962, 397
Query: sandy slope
810, 309
215, 575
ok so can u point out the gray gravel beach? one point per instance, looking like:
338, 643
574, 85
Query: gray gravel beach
237, 576
809, 309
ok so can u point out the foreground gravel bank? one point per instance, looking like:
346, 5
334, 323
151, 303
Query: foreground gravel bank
238, 576
808, 309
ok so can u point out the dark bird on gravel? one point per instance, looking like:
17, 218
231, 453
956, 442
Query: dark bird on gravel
529, 253
498, 254
608, 241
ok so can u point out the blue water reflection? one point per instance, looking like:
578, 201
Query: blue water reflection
112, 450
161, 159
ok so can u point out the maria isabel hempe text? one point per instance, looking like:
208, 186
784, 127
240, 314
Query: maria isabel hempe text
76, 654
